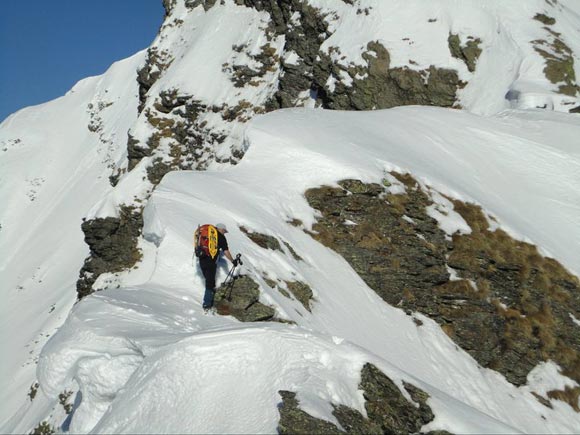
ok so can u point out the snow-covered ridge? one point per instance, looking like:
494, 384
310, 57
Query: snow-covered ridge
209, 82
152, 334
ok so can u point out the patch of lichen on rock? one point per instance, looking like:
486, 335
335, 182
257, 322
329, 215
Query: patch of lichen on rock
511, 307
388, 410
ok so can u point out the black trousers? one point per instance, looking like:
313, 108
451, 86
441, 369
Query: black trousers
208, 268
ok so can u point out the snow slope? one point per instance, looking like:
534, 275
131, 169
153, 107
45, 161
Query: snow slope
145, 358
55, 160
52, 170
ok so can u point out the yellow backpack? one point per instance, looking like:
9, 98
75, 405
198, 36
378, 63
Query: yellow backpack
205, 240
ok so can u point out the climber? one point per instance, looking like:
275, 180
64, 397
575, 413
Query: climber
209, 240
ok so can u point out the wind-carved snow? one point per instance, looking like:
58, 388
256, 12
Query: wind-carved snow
181, 370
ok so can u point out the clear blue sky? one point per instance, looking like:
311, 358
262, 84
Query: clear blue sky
46, 46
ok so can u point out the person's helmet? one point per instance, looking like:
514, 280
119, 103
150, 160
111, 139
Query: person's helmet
221, 226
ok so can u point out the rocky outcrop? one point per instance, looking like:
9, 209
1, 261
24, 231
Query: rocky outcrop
387, 409
508, 306
383, 247
559, 58
262, 240
241, 300
206, 4
294, 420
293, 290
374, 86
157, 62
468, 53
302, 292
378, 86
113, 246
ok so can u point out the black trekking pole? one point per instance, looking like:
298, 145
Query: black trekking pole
230, 285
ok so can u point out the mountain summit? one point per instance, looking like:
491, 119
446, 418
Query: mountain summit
400, 177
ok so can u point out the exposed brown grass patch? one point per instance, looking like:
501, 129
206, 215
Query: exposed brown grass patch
568, 395
536, 290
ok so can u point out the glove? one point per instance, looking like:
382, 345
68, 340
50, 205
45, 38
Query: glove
236, 261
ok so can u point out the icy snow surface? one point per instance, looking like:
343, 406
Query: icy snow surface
145, 358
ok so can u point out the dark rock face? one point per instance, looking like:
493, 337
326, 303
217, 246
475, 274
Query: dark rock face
113, 245
242, 301
383, 247
388, 411
511, 307
134, 152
